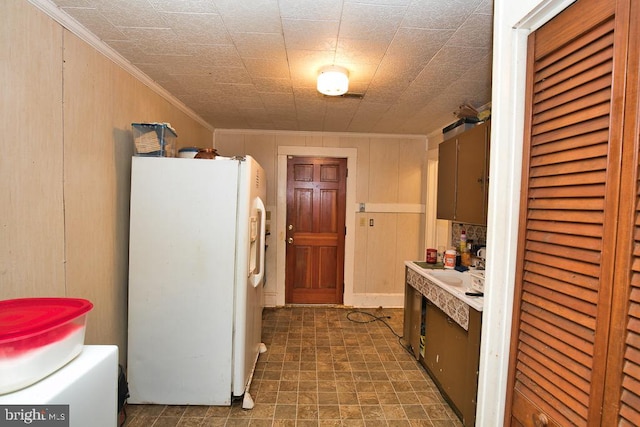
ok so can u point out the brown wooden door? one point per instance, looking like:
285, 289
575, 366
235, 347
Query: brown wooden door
569, 285
316, 203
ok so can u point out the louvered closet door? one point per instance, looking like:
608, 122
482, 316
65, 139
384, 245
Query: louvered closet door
568, 220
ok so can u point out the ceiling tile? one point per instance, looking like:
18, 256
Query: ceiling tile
219, 55
259, 16
305, 64
155, 41
125, 13
486, 7
278, 100
370, 22
476, 31
260, 45
267, 68
218, 76
310, 35
198, 28
326, 10
191, 6
393, 76
75, 3
100, 26
243, 90
438, 14
418, 44
383, 2
360, 51
275, 85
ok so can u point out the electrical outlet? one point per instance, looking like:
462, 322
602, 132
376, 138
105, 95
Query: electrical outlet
371, 222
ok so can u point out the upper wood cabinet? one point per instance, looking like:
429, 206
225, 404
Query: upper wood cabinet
463, 170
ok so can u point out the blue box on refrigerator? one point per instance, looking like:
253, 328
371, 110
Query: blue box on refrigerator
154, 139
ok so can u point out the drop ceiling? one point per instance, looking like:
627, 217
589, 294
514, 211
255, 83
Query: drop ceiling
252, 64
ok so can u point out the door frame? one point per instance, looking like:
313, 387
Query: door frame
351, 154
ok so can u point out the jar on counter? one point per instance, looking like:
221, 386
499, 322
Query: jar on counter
432, 256
450, 258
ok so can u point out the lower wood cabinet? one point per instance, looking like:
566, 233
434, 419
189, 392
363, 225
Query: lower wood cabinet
451, 354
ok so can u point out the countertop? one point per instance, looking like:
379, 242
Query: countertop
457, 291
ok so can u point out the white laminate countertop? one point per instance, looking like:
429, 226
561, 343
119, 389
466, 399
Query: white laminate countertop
457, 291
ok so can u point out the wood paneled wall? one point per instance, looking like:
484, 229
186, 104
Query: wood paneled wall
66, 114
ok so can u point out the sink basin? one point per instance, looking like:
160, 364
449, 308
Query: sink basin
452, 278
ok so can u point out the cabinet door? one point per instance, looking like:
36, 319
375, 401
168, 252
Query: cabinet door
416, 323
435, 336
455, 368
448, 353
447, 160
471, 176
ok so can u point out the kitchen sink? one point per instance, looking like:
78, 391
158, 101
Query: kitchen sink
452, 278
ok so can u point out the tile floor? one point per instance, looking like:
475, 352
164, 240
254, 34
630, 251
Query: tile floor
323, 369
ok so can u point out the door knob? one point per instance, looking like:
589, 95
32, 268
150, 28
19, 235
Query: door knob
290, 240
540, 420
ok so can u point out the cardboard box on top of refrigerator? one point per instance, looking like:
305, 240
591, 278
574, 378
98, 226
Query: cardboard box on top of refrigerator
154, 139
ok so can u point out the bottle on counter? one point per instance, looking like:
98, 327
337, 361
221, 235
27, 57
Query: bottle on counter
465, 256
465, 251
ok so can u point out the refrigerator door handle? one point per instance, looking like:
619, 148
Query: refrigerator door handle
257, 277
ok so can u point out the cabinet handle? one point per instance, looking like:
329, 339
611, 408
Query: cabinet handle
450, 320
540, 420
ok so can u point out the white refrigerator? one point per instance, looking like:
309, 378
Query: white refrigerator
196, 272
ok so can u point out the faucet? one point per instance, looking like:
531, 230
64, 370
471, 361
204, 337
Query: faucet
480, 258
482, 253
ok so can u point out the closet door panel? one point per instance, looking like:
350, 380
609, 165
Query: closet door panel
562, 285
622, 386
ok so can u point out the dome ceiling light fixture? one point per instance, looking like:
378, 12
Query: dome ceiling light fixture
333, 80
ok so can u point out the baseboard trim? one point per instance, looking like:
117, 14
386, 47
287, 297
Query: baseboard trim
369, 300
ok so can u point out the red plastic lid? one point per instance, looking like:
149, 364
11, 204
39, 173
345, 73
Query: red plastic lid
24, 317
